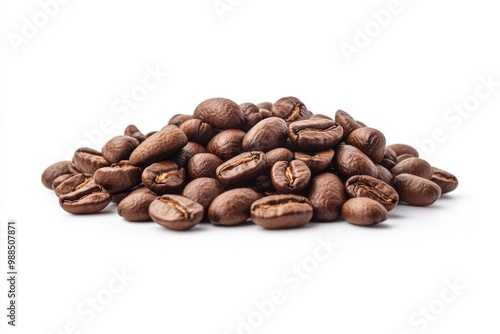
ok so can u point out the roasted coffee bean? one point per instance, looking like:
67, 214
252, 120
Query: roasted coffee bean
317, 162
203, 190
266, 113
263, 184
268, 134
265, 105
88, 160
364, 211
327, 195
350, 161
164, 177
135, 207
85, 200
281, 211
415, 166
119, 177
60, 179
446, 181
162, 144
220, 113
197, 131
278, 154
175, 212
226, 144
118, 197
119, 148
347, 123
384, 174
132, 131
370, 141
321, 116
203, 165
290, 177
367, 186
182, 157
403, 156
315, 134
232, 207
400, 149
390, 158
73, 183
179, 119
241, 169
416, 190
291, 109
252, 115
54, 171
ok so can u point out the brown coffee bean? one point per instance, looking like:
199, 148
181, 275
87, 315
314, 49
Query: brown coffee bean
390, 158
164, 177
350, 161
60, 179
268, 134
416, 190
162, 144
203, 190
291, 109
220, 113
119, 148
252, 115
265, 105
317, 162
73, 183
415, 166
315, 134
203, 165
290, 177
182, 157
347, 123
384, 174
132, 131
321, 116
370, 141
175, 212
232, 207
241, 169
54, 171
281, 211
367, 186
278, 154
403, 148
226, 144
263, 185
266, 113
327, 195
88, 160
135, 207
119, 177
446, 181
85, 200
197, 131
364, 211
403, 156
179, 119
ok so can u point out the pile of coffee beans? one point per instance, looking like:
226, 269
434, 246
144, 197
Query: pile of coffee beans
277, 164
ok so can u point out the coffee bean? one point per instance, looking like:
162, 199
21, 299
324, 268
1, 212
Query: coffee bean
220, 113
175, 212
197, 131
415, 166
315, 134
370, 141
390, 158
203, 190
54, 171
265, 113
317, 162
135, 207
60, 179
85, 200
88, 160
278, 154
232, 207
265, 105
203, 165
119, 177
179, 119
321, 116
327, 195
416, 190
404, 156
291, 109
132, 131
266, 135
164, 177
226, 144
367, 186
290, 177
384, 174
446, 181
263, 184
281, 211
182, 157
252, 115
73, 183
364, 211
241, 169
347, 123
162, 144
119, 148
350, 161
403, 148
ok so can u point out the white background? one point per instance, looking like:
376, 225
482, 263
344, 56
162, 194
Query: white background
63, 82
